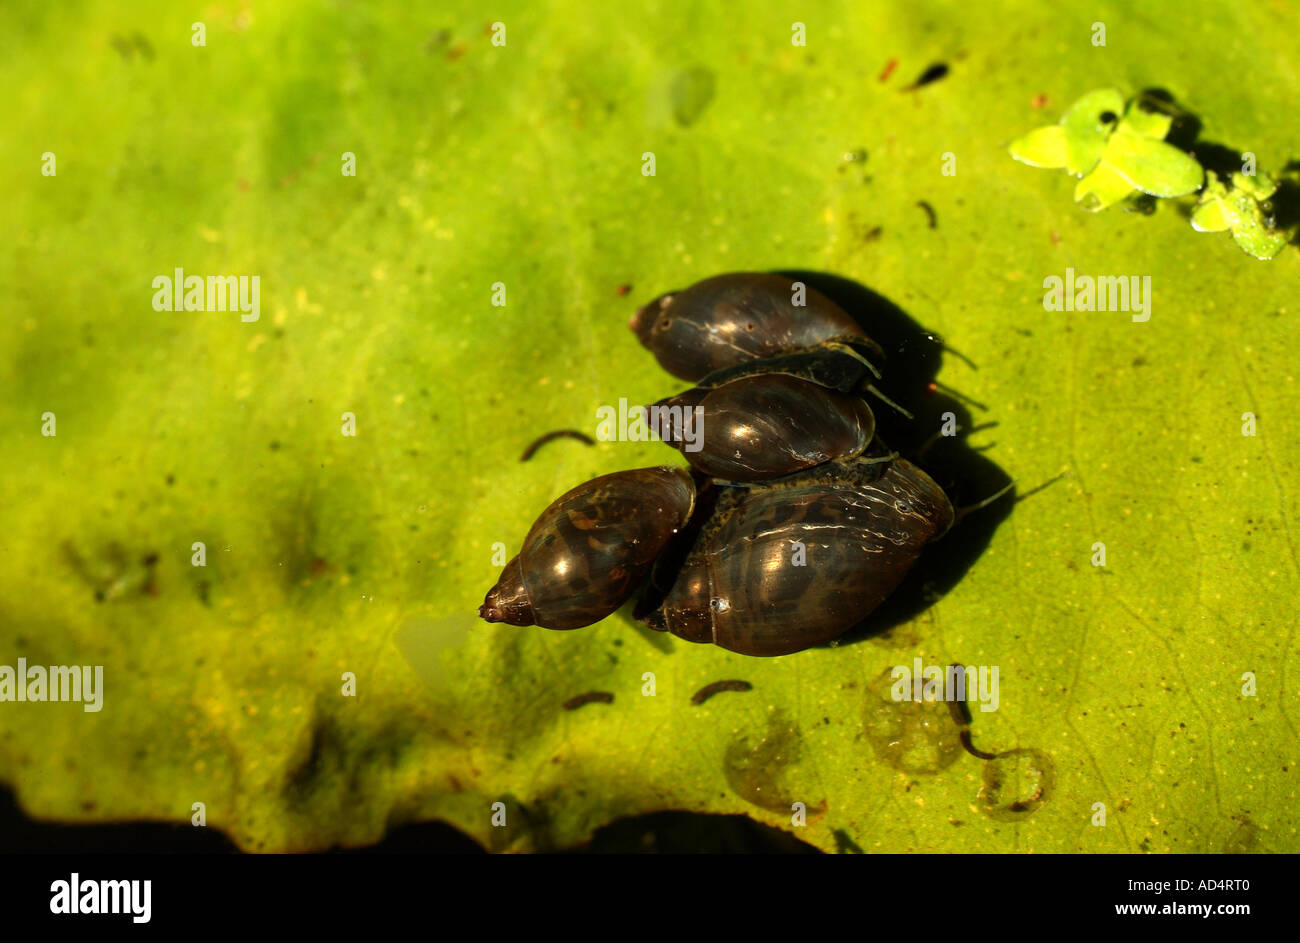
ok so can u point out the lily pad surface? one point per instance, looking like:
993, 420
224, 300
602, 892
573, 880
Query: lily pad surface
322, 677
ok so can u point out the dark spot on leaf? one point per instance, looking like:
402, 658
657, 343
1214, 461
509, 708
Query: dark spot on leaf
756, 767
1016, 784
911, 736
1243, 838
933, 74
322, 753
691, 93
143, 45
844, 844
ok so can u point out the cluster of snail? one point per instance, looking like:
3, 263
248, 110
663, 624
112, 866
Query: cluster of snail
795, 522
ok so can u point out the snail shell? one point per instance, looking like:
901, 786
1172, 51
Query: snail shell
589, 551
730, 319
763, 426
744, 585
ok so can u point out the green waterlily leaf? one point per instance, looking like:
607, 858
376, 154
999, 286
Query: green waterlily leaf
1143, 123
1135, 157
1155, 693
1261, 186
1213, 212
1210, 217
1077, 142
1257, 238
1102, 188
1088, 124
1042, 147
1238, 208
1153, 166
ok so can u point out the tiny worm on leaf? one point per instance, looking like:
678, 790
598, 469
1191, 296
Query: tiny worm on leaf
557, 434
960, 712
971, 749
706, 692
591, 697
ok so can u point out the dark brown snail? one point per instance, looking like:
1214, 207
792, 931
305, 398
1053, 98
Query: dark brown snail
591, 549
731, 319
763, 426
797, 521
784, 567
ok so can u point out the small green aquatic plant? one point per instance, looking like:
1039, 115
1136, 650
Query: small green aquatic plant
1118, 151
1241, 208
